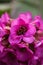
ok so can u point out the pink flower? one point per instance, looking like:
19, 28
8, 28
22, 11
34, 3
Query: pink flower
22, 30
8, 57
21, 42
39, 51
4, 20
38, 22
4, 28
22, 52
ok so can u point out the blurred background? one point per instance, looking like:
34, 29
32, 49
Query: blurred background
14, 7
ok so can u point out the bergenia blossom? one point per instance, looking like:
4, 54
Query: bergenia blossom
22, 52
4, 28
21, 40
22, 30
38, 22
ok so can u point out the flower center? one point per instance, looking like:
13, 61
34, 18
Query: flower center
22, 30
5, 40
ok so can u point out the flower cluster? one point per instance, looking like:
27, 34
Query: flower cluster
21, 40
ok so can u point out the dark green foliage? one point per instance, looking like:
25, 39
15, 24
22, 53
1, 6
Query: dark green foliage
5, 1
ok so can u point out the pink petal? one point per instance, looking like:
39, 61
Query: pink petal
14, 40
2, 31
5, 17
1, 48
41, 26
32, 29
28, 39
26, 17
14, 22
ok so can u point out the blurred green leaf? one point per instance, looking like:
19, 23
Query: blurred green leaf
3, 11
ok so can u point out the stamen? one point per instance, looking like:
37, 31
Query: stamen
22, 30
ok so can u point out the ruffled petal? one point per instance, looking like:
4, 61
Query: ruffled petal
14, 40
32, 29
5, 18
26, 17
29, 39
